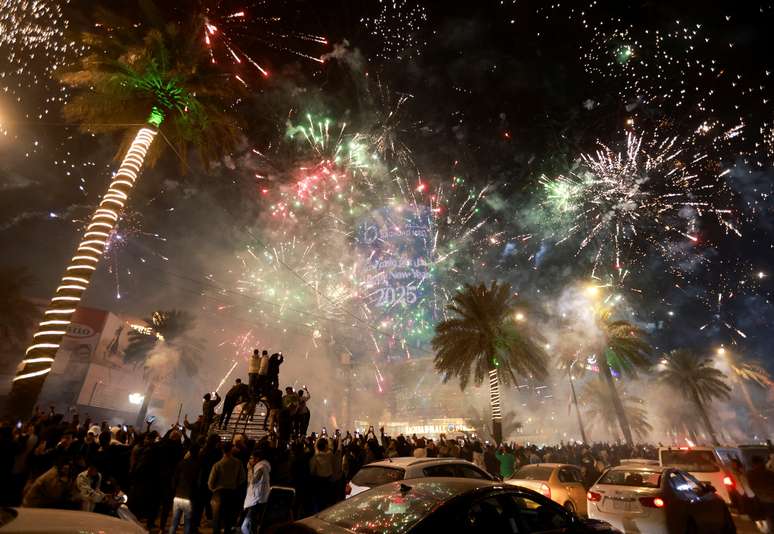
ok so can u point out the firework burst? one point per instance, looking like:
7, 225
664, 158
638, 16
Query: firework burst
650, 195
228, 33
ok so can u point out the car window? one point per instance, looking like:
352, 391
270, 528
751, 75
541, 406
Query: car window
468, 471
533, 472
683, 485
568, 475
638, 478
533, 515
488, 515
376, 476
443, 470
688, 460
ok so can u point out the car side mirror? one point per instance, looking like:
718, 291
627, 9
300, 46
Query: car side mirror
707, 487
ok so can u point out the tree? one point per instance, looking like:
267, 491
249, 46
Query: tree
694, 378
165, 81
625, 351
163, 348
17, 314
488, 336
597, 400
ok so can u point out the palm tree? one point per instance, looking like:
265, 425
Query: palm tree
165, 83
625, 351
17, 314
162, 349
486, 333
596, 400
695, 378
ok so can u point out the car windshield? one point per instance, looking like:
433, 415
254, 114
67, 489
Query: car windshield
638, 478
533, 472
390, 509
376, 476
693, 461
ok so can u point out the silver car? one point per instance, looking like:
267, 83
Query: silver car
386, 471
654, 500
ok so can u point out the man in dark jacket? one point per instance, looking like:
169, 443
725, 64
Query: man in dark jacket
275, 361
208, 409
239, 392
184, 484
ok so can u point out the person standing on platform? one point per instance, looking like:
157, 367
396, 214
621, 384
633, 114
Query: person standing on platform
253, 373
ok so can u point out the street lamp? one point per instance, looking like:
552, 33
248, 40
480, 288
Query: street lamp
136, 398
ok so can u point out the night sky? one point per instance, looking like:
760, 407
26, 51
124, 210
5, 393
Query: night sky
504, 94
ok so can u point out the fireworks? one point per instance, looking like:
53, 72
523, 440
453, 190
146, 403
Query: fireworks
34, 47
226, 33
398, 27
622, 204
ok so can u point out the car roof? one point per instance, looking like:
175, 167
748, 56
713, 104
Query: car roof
688, 449
640, 467
408, 461
549, 465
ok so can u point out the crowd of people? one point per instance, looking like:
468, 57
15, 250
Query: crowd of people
189, 474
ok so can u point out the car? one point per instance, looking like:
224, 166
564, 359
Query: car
746, 453
655, 500
431, 505
385, 471
704, 463
562, 483
53, 521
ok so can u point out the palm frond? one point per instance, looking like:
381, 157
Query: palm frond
482, 334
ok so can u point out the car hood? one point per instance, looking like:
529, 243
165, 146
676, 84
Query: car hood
50, 521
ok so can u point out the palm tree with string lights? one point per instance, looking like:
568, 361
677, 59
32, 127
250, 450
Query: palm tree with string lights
160, 349
694, 377
487, 335
158, 84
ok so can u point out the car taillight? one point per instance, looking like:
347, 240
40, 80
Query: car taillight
652, 502
545, 490
728, 481
593, 496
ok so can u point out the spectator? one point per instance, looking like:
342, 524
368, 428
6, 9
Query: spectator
302, 413
253, 372
88, 483
258, 471
507, 461
208, 409
275, 361
52, 489
225, 478
239, 392
184, 485
321, 471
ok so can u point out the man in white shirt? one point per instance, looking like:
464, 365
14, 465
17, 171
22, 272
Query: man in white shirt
258, 470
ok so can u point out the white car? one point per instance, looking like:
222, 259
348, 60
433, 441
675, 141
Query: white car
53, 521
657, 500
386, 471
704, 463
